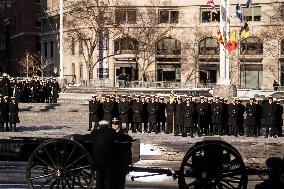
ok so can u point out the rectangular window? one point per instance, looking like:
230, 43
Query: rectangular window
208, 16
168, 16
80, 46
73, 70
81, 72
252, 14
125, 16
51, 49
72, 46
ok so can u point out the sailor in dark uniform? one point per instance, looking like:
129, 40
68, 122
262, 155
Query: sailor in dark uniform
170, 110
188, 117
123, 110
233, 117
178, 119
108, 107
2, 113
270, 117
94, 105
13, 114
161, 114
251, 117
145, 113
137, 107
203, 112
153, 111
217, 109
279, 119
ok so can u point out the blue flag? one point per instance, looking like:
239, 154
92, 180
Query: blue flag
249, 4
239, 12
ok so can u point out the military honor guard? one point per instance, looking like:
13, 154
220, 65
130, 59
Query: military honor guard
94, 107
123, 111
153, 114
13, 114
203, 113
189, 111
137, 107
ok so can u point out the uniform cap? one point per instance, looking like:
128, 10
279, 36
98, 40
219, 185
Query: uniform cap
115, 120
5, 75
103, 122
217, 96
12, 98
270, 97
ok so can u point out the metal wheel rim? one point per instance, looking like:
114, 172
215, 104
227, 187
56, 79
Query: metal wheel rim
60, 164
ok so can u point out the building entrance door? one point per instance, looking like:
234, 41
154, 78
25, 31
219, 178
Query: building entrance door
124, 75
208, 74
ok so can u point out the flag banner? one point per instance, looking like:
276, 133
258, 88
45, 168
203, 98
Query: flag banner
244, 32
249, 4
239, 12
219, 36
232, 44
212, 4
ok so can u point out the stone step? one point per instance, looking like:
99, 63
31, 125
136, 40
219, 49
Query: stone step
56, 107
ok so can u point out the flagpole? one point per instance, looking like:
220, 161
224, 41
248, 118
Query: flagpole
225, 27
61, 49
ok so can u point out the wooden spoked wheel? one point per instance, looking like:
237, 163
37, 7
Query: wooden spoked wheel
212, 165
60, 164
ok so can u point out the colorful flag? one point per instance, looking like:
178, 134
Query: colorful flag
249, 4
244, 32
212, 4
239, 12
219, 36
232, 44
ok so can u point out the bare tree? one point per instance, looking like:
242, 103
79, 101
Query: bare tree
88, 22
146, 31
31, 64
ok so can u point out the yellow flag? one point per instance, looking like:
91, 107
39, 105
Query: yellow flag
233, 36
245, 30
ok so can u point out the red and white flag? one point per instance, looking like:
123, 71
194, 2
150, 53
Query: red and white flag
212, 4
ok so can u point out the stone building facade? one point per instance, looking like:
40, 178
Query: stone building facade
170, 40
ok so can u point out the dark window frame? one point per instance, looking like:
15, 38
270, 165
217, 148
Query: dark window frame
251, 46
213, 16
169, 13
121, 46
124, 16
282, 47
161, 48
208, 50
253, 17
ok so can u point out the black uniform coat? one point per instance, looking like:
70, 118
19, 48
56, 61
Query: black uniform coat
137, 111
203, 112
2, 112
217, 113
153, 112
145, 113
179, 114
123, 110
5, 86
162, 112
251, 111
108, 110
13, 113
233, 114
270, 113
93, 110
170, 109
188, 113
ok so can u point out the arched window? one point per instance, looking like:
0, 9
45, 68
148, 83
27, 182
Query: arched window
125, 45
168, 46
282, 47
209, 46
251, 46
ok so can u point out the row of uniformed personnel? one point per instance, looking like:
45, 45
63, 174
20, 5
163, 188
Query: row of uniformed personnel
187, 116
30, 90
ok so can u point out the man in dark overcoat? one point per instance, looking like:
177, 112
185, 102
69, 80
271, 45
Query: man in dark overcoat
203, 112
251, 111
94, 105
188, 117
279, 119
161, 114
145, 113
108, 108
178, 118
2, 113
217, 109
13, 114
153, 114
123, 110
170, 110
270, 108
137, 107
233, 117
